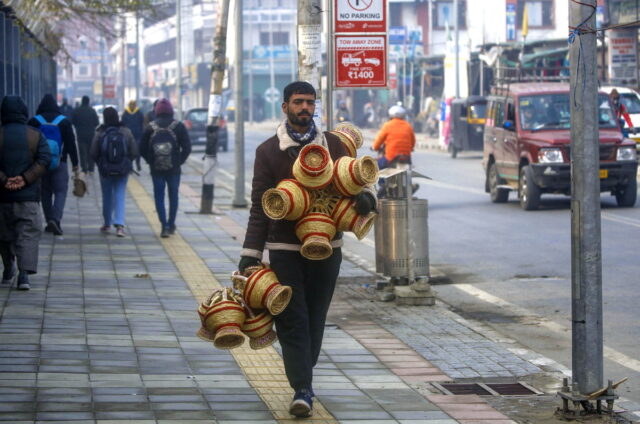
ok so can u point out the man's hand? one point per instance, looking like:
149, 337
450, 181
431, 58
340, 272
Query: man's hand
15, 183
364, 203
247, 261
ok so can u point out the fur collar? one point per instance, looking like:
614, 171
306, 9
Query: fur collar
285, 141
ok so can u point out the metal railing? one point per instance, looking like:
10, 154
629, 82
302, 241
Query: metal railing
26, 68
510, 75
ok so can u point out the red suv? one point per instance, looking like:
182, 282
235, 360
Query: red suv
527, 146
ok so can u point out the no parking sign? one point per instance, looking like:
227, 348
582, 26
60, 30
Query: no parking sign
360, 16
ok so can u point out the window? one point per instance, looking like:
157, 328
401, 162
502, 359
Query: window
540, 13
279, 38
443, 14
498, 113
83, 70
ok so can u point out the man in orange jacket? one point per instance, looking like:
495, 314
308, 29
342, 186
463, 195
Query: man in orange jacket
396, 135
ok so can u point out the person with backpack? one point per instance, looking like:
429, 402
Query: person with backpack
133, 119
24, 158
85, 120
58, 131
165, 146
114, 149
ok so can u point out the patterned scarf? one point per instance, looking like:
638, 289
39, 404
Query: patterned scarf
305, 138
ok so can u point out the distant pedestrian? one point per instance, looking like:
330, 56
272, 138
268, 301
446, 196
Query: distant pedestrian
24, 158
85, 120
133, 119
55, 182
66, 108
114, 150
622, 114
165, 146
151, 115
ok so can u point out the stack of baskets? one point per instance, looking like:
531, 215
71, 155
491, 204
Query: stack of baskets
246, 309
320, 197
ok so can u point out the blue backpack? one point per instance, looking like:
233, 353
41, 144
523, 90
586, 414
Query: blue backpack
51, 132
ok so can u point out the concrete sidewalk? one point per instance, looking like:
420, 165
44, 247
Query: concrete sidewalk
107, 335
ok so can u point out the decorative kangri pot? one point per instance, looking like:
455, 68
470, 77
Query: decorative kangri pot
313, 167
351, 175
222, 316
290, 200
315, 231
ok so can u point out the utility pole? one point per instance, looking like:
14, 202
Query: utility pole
238, 198
215, 107
309, 53
179, 56
330, 63
123, 60
586, 259
457, 47
272, 75
137, 76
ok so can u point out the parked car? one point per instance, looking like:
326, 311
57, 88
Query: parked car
631, 99
196, 122
527, 145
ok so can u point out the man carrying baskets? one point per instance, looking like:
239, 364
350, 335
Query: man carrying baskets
300, 327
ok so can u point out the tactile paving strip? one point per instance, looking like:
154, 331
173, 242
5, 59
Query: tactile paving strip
263, 368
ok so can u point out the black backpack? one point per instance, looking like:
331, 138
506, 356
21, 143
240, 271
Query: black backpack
164, 147
114, 160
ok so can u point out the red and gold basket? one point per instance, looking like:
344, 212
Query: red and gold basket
289, 200
313, 167
347, 219
259, 329
351, 175
263, 290
222, 317
316, 231
350, 136
349, 144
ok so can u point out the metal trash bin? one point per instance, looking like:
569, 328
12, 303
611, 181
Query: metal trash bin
392, 256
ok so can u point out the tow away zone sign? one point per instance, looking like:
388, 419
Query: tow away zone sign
361, 61
360, 16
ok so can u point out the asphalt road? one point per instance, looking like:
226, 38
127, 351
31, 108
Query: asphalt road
512, 268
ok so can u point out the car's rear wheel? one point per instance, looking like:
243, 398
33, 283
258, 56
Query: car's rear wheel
498, 195
528, 189
627, 196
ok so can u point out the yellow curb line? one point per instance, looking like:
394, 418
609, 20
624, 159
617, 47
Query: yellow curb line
263, 368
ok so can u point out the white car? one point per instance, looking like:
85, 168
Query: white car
631, 99
372, 61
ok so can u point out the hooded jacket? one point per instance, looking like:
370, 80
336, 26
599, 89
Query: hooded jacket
274, 163
133, 119
85, 120
183, 142
23, 151
49, 110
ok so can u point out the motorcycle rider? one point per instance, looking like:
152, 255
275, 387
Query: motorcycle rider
397, 137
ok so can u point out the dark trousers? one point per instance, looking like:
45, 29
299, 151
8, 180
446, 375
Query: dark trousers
300, 327
86, 161
20, 230
54, 186
172, 182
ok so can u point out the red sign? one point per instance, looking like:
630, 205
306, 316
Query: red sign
360, 16
109, 89
361, 61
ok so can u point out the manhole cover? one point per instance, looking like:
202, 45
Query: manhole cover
487, 389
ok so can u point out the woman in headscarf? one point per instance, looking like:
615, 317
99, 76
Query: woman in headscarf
114, 150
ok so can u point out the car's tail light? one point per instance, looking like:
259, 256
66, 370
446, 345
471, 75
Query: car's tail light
188, 124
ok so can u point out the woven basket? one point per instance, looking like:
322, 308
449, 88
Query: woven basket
351, 175
349, 145
222, 319
289, 200
363, 224
316, 231
313, 167
344, 214
259, 329
352, 132
263, 290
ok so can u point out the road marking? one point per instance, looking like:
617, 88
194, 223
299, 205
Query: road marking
621, 219
609, 353
440, 184
263, 368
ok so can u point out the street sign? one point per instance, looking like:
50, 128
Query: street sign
360, 16
109, 91
361, 61
272, 95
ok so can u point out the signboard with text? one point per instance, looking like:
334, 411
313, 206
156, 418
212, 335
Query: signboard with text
360, 16
360, 61
623, 56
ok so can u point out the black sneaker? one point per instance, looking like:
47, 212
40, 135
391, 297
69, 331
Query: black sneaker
302, 404
23, 281
9, 274
164, 233
48, 228
55, 228
172, 229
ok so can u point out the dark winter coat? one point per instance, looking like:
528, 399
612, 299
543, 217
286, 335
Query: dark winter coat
273, 163
183, 141
49, 110
96, 144
134, 120
85, 120
23, 151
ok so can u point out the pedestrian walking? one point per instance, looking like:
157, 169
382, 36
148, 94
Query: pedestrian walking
85, 120
300, 327
622, 114
66, 108
55, 183
151, 115
24, 158
114, 149
165, 146
133, 119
